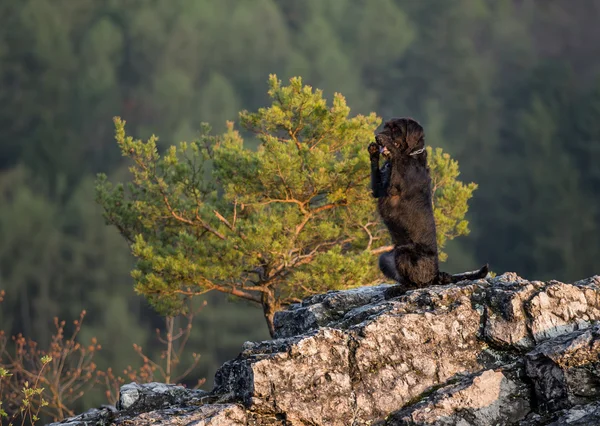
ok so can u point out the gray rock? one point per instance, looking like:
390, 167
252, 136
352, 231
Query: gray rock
440, 355
562, 308
482, 399
521, 314
151, 396
506, 317
319, 310
566, 370
586, 415
95, 416
293, 379
206, 415
580, 415
338, 374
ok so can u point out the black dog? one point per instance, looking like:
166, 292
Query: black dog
403, 189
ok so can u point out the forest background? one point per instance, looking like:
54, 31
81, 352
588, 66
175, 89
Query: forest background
510, 88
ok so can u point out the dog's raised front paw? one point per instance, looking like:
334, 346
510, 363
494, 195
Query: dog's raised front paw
374, 150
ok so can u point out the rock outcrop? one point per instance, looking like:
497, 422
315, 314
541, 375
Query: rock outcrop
497, 351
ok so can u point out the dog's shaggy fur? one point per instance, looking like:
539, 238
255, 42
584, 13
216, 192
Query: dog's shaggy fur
403, 189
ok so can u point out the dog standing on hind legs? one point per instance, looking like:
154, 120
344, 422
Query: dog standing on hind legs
402, 187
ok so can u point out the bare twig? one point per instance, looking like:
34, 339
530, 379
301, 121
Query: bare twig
222, 219
382, 249
366, 229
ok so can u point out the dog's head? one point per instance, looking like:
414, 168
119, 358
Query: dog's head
404, 133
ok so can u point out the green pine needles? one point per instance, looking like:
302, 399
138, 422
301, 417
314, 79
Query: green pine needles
273, 225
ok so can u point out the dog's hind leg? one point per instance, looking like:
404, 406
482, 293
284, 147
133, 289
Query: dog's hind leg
387, 264
417, 267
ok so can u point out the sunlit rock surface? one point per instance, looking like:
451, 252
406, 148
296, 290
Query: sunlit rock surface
498, 351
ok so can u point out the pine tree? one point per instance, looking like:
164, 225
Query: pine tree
293, 218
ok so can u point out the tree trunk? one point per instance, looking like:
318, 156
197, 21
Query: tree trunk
270, 306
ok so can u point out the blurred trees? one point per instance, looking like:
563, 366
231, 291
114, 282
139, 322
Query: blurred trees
510, 88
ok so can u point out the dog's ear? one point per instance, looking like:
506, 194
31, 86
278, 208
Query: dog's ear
415, 136
399, 130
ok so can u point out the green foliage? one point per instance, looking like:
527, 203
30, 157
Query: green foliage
479, 75
295, 217
450, 197
31, 399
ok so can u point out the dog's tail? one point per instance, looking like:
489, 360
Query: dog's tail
446, 278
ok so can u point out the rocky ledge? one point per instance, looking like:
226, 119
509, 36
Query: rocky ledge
498, 351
